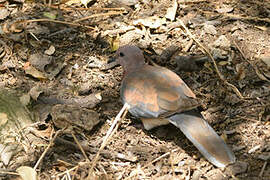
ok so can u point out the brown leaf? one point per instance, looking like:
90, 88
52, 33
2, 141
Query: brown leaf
34, 72
27, 173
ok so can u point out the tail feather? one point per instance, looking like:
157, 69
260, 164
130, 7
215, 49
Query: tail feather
203, 136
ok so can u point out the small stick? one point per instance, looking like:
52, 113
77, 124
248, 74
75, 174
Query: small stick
69, 170
35, 37
263, 168
9, 173
46, 150
237, 92
91, 8
245, 58
110, 132
56, 21
98, 15
240, 17
79, 145
155, 160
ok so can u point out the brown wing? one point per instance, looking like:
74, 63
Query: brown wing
155, 92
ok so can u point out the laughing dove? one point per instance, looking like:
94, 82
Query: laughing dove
158, 96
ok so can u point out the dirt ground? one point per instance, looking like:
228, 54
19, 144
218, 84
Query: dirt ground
55, 52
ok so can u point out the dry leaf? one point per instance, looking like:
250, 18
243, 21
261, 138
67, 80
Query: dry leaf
3, 119
50, 51
35, 92
171, 11
73, 2
266, 60
27, 173
240, 69
34, 72
224, 9
25, 99
114, 42
7, 152
85, 2
4, 13
40, 61
223, 63
210, 29
151, 22
50, 15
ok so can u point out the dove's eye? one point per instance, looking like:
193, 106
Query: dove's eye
122, 54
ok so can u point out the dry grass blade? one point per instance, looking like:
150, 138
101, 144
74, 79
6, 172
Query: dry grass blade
79, 145
57, 21
155, 160
246, 59
46, 150
110, 132
99, 15
237, 92
263, 168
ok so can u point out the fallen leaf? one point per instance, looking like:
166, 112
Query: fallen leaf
224, 9
35, 92
3, 119
222, 42
127, 2
40, 61
85, 2
263, 28
56, 70
151, 22
50, 15
7, 152
266, 60
25, 99
223, 63
50, 51
71, 2
34, 72
171, 11
210, 29
114, 42
240, 69
27, 173
4, 13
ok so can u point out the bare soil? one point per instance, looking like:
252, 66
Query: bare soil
74, 69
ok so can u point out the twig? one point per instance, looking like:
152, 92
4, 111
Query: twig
155, 160
8, 50
69, 170
237, 92
91, 8
46, 150
252, 64
56, 21
236, 16
34, 36
79, 145
263, 168
110, 132
99, 15
9, 173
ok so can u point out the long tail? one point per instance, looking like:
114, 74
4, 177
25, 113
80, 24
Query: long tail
203, 136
